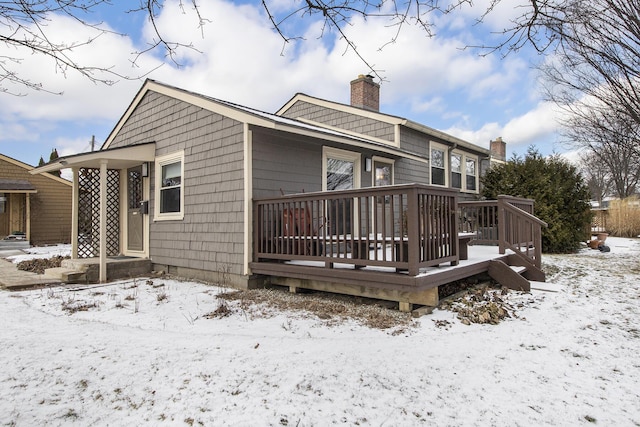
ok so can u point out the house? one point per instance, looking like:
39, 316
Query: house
182, 177
416, 153
36, 208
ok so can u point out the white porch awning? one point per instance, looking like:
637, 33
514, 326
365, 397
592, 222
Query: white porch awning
116, 158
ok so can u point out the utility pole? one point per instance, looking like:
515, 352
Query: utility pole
93, 141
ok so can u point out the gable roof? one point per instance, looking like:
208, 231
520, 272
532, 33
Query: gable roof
29, 168
382, 117
250, 116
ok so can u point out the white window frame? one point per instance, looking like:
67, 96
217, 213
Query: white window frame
348, 156
447, 169
477, 167
378, 159
159, 163
463, 170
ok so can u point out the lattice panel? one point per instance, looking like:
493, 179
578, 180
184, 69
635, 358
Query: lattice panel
89, 213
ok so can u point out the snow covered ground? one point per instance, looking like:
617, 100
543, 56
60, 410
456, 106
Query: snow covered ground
144, 354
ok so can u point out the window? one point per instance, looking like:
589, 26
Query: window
341, 169
471, 174
456, 171
169, 194
383, 172
464, 172
339, 174
438, 166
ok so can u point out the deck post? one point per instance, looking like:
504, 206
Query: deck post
502, 226
413, 231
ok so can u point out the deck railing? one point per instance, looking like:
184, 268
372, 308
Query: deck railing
406, 227
508, 223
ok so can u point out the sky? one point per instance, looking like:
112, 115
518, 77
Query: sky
237, 56
146, 354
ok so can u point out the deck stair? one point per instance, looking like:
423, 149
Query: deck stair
515, 273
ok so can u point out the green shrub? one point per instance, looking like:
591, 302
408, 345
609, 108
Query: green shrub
560, 194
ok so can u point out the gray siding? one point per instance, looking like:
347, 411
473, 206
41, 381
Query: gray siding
210, 237
414, 142
409, 171
281, 162
342, 120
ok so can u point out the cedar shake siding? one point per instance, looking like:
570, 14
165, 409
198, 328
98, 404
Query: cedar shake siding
50, 206
209, 239
414, 142
284, 162
341, 120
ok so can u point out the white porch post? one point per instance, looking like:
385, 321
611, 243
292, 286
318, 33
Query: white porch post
75, 194
103, 221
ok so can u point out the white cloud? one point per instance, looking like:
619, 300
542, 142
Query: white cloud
81, 98
241, 59
534, 125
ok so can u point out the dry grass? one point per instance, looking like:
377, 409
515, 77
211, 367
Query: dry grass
481, 303
38, 265
329, 308
623, 218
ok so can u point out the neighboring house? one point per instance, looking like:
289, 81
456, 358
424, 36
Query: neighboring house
37, 207
176, 178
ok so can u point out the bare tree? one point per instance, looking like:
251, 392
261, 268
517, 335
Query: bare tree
24, 29
612, 143
598, 34
595, 72
596, 175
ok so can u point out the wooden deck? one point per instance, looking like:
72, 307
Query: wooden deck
396, 243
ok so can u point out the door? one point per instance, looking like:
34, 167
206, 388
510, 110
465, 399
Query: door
382, 217
4, 215
341, 172
135, 216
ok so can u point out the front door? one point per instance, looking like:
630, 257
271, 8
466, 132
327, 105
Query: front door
135, 217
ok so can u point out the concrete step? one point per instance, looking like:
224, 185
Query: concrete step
66, 275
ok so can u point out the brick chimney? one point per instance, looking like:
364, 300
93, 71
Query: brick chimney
498, 149
365, 93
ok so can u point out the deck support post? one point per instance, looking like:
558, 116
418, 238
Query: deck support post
413, 229
405, 307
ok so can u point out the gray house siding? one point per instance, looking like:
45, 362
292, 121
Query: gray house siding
414, 142
409, 171
282, 162
342, 120
209, 240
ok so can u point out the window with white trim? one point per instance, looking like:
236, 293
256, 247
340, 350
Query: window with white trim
471, 173
169, 188
464, 172
341, 169
438, 165
456, 171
